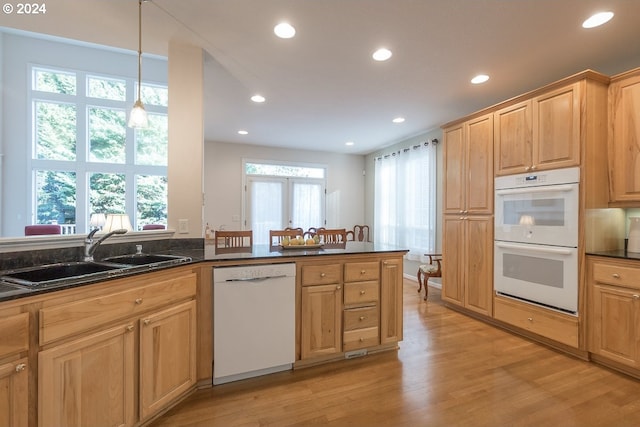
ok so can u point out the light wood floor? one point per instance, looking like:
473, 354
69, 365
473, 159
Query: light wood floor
451, 370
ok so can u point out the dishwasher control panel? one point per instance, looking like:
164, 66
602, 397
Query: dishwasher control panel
249, 272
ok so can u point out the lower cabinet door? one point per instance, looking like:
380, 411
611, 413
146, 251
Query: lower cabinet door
321, 320
167, 356
14, 395
89, 381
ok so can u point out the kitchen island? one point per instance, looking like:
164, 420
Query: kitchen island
144, 342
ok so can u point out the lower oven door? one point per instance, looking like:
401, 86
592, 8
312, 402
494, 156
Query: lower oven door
540, 274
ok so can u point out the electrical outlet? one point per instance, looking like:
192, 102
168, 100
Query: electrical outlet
183, 226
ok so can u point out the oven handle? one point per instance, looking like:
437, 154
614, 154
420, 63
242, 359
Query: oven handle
539, 189
527, 248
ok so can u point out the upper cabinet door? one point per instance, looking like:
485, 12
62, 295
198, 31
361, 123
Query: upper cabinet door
513, 139
454, 169
624, 139
479, 169
556, 128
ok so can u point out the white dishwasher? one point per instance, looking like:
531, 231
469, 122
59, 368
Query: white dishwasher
253, 320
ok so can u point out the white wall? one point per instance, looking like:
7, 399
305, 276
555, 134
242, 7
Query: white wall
223, 181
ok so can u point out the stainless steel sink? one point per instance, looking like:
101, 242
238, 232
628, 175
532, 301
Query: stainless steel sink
50, 274
147, 259
74, 272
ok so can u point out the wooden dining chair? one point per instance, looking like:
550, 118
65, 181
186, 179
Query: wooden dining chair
360, 233
228, 241
332, 237
426, 271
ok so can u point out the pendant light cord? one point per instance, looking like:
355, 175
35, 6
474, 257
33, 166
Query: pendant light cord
139, 47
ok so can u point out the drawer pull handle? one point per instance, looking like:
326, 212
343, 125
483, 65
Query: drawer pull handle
130, 328
362, 318
530, 319
138, 301
362, 292
322, 274
147, 321
616, 275
21, 367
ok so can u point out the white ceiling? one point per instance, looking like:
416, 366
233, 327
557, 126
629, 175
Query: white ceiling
323, 88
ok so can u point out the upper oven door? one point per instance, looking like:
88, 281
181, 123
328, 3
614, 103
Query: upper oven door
545, 215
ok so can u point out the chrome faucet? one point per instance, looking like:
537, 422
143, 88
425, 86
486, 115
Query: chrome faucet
90, 246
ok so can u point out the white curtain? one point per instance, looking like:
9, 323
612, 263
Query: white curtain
405, 199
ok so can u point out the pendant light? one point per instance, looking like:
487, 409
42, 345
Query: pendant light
138, 116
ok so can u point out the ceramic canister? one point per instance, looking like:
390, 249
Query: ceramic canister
634, 235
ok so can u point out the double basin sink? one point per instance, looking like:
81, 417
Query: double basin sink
75, 272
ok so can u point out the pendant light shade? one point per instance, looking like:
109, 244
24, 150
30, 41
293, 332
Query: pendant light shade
138, 116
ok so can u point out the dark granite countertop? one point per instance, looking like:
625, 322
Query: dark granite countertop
620, 253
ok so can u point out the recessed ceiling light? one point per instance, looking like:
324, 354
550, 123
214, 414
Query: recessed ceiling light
349, 143
243, 132
258, 98
398, 120
597, 19
382, 54
480, 78
284, 30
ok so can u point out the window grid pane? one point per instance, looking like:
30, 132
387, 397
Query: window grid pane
55, 131
104, 88
152, 144
151, 197
55, 197
54, 81
107, 135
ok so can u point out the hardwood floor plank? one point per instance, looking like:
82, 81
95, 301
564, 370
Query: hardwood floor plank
451, 370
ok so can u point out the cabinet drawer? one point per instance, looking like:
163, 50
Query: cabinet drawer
550, 324
72, 318
359, 271
14, 331
361, 292
360, 338
359, 318
616, 275
321, 274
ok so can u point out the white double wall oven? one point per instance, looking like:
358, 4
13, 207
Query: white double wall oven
536, 238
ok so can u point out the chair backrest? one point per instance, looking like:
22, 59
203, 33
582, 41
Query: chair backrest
153, 227
333, 237
42, 229
233, 241
359, 233
276, 236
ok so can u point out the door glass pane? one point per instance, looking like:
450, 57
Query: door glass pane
543, 271
107, 133
55, 197
307, 205
266, 209
55, 133
107, 193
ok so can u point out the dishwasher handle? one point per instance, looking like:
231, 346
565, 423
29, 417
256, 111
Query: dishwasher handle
256, 279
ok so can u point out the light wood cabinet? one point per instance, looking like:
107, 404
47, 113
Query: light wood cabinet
167, 355
467, 276
391, 312
361, 305
614, 310
321, 320
540, 133
468, 167
623, 138
116, 358
14, 369
89, 381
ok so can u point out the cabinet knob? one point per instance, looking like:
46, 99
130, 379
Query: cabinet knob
616, 275
147, 321
322, 274
361, 339
362, 271
636, 296
138, 301
362, 318
362, 292
21, 367
130, 328
338, 287
530, 319
533, 167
